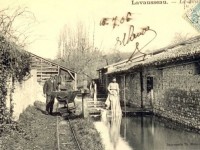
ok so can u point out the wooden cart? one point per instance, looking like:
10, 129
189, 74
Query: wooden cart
64, 98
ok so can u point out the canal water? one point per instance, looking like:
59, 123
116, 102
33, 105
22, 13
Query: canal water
143, 133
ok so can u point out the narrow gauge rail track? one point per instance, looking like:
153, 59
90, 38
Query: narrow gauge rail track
65, 140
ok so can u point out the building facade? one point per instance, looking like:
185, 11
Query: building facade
167, 80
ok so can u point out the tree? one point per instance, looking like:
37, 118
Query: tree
15, 24
76, 51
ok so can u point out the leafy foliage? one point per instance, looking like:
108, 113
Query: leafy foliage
14, 65
14, 62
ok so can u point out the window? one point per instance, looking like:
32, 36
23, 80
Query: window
149, 84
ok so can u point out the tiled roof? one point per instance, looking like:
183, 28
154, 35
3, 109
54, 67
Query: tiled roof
189, 49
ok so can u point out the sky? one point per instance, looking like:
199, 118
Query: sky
52, 15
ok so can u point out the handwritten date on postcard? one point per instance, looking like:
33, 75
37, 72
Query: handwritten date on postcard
130, 35
115, 21
127, 37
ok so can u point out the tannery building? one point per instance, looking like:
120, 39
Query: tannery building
166, 80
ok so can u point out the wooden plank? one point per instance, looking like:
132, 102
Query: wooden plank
38, 65
49, 71
47, 67
35, 64
45, 75
42, 63
44, 78
46, 72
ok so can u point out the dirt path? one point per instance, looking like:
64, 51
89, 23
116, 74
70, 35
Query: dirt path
66, 139
37, 131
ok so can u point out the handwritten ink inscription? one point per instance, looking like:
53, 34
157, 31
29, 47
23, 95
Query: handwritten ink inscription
187, 3
130, 35
115, 21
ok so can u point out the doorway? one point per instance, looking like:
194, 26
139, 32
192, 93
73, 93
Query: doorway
150, 90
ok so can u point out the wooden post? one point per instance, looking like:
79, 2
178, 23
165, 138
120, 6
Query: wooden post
125, 93
41, 70
124, 90
83, 109
75, 81
141, 83
84, 104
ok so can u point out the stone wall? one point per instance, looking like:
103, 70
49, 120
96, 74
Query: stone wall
133, 89
177, 94
130, 89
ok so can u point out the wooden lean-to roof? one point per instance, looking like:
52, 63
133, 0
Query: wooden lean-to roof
45, 68
53, 63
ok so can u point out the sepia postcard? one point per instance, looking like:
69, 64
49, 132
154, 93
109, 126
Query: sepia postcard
100, 74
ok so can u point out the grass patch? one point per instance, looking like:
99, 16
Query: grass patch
37, 131
87, 135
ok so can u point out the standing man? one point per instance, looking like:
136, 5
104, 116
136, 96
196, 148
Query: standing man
57, 81
49, 86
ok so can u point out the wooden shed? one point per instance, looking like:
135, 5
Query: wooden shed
45, 68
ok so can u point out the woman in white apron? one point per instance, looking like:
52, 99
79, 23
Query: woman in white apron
113, 98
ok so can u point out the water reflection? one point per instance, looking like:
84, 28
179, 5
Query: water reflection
109, 127
143, 133
148, 133
114, 130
